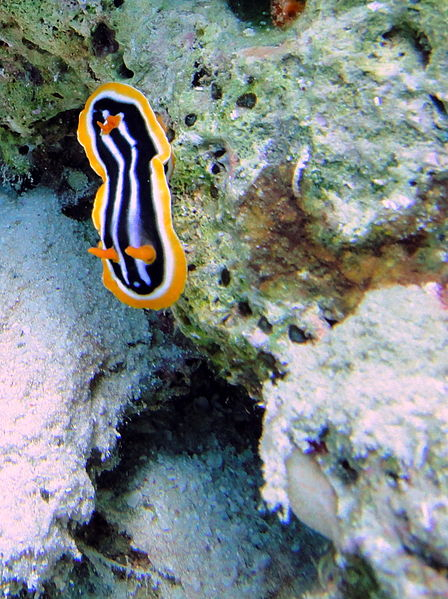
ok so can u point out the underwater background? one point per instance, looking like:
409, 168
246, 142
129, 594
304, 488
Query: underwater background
278, 430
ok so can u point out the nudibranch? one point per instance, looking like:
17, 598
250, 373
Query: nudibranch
144, 263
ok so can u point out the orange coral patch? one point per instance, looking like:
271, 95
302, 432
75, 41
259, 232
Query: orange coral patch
283, 12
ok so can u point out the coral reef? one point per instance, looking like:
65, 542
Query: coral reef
70, 364
368, 402
310, 192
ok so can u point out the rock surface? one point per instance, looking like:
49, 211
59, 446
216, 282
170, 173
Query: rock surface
310, 191
71, 361
193, 529
369, 405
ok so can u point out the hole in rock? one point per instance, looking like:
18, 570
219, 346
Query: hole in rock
213, 430
103, 40
440, 106
417, 39
255, 13
124, 71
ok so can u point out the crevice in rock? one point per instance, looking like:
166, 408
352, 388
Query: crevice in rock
215, 426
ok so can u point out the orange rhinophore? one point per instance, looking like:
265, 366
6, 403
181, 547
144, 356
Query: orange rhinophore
111, 122
145, 252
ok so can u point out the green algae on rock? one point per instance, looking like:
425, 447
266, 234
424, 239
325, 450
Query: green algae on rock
359, 215
51, 54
